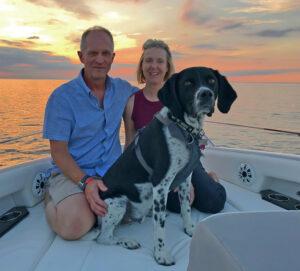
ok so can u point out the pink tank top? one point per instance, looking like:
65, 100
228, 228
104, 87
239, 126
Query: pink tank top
143, 110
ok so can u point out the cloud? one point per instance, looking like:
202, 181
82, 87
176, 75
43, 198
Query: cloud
123, 65
19, 43
79, 8
177, 53
274, 33
197, 13
229, 24
260, 72
214, 47
34, 38
267, 6
133, 1
21, 63
54, 22
205, 46
200, 13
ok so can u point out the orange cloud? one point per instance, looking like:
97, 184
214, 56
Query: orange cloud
268, 78
23, 65
125, 73
270, 6
129, 56
79, 8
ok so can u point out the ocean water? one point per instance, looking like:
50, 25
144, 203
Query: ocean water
261, 105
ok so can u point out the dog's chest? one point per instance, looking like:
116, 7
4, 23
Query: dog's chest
184, 157
179, 153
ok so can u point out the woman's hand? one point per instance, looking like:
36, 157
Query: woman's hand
214, 176
192, 194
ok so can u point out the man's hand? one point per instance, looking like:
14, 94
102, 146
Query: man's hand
97, 205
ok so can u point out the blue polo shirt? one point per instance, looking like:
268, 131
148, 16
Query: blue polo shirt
73, 114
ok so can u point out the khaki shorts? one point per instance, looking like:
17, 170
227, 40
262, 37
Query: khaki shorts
61, 187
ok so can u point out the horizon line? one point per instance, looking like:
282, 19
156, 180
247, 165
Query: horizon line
70, 78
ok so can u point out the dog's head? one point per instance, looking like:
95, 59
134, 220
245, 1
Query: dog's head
194, 90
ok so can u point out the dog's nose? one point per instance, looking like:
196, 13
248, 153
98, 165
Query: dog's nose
205, 94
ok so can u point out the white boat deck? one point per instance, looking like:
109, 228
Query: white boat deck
31, 245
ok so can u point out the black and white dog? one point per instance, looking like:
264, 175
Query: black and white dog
162, 157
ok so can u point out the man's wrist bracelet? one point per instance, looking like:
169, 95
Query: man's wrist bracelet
84, 181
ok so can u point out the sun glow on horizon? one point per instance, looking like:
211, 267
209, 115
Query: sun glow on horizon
123, 42
6, 7
15, 30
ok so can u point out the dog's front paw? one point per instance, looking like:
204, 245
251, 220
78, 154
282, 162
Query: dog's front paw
128, 243
189, 230
164, 258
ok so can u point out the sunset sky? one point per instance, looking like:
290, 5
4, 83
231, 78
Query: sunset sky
246, 40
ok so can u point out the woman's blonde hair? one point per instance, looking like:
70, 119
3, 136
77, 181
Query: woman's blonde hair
153, 43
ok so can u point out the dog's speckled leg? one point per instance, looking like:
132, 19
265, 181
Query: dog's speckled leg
116, 211
138, 211
160, 195
185, 207
91, 235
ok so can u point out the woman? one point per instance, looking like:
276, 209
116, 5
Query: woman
154, 68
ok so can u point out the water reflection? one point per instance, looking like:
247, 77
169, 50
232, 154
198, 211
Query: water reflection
269, 105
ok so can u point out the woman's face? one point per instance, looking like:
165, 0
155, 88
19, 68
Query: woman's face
154, 65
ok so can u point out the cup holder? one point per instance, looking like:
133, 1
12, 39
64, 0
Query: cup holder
279, 197
297, 207
10, 216
281, 200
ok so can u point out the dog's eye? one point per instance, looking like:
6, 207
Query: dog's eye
187, 83
211, 81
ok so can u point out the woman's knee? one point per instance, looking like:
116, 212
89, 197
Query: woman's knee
212, 203
218, 201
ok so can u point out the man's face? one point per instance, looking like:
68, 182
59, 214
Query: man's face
97, 55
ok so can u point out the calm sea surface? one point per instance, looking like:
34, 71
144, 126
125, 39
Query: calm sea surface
264, 105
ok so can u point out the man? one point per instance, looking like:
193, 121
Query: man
82, 122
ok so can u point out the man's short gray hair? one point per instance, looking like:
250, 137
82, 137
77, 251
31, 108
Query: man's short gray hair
92, 29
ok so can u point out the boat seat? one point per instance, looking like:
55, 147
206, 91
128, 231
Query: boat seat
242, 199
31, 245
91, 256
247, 241
25, 244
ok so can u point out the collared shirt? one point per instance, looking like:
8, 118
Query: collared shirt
73, 114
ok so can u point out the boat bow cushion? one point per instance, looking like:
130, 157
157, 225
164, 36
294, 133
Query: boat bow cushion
247, 241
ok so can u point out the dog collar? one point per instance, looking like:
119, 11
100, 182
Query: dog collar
196, 133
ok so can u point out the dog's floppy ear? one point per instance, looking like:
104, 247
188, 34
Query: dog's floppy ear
168, 96
226, 94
